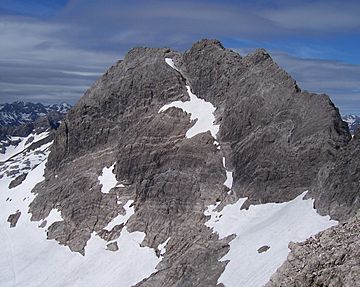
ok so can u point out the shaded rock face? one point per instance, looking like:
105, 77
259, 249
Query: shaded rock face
19, 131
271, 134
331, 258
338, 187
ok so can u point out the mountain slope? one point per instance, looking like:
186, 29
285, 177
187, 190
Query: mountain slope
177, 152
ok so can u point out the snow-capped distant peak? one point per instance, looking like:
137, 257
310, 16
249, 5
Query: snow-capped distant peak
18, 113
353, 121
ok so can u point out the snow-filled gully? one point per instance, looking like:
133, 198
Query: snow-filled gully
201, 111
264, 231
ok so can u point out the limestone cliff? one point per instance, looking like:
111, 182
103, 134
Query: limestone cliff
275, 139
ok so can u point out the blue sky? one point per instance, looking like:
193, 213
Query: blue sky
53, 50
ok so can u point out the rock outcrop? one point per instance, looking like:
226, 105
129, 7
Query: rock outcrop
13, 219
18, 180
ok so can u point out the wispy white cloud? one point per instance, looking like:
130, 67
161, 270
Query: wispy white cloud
38, 65
28, 39
325, 16
339, 80
79, 73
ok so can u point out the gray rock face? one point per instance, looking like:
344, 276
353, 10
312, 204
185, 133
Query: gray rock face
278, 136
338, 188
331, 258
274, 137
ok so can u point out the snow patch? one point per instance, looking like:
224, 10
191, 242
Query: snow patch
170, 62
122, 219
199, 110
162, 246
118, 201
272, 224
229, 178
107, 179
54, 216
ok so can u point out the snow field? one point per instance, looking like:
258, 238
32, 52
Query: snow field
273, 225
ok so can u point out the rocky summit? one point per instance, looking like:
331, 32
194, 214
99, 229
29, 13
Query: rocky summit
188, 169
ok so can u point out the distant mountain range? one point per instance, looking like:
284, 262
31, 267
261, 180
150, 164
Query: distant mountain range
19, 119
353, 122
19, 113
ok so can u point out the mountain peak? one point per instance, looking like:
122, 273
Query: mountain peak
186, 165
208, 43
257, 56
